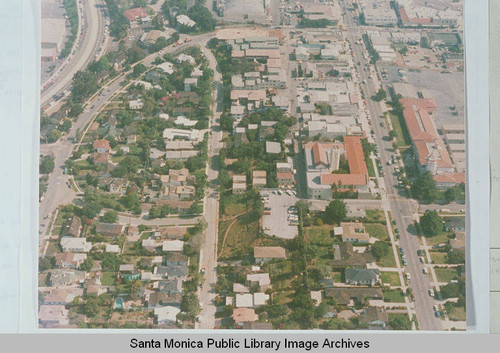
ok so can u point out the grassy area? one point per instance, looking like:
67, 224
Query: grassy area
42, 279
108, 279
406, 323
442, 237
438, 257
393, 295
457, 314
374, 216
240, 238
371, 170
446, 274
402, 137
319, 234
388, 260
390, 277
377, 230
52, 248
336, 276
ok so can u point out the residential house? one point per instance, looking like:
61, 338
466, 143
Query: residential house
262, 281
354, 232
239, 184
259, 179
64, 278
109, 229
347, 295
172, 246
59, 296
53, 316
362, 276
374, 318
75, 244
244, 315
72, 227
101, 145
285, 179
175, 258
129, 272
69, 260
166, 315
267, 253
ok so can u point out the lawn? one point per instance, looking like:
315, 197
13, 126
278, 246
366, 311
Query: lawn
442, 237
390, 277
388, 260
377, 230
438, 257
369, 166
393, 295
457, 314
336, 276
283, 297
374, 216
108, 279
319, 234
446, 274
398, 124
406, 324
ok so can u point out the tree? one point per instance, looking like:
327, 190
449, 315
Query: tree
47, 164
110, 217
400, 322
91, 307
380, 249
336, 211
110, 262
190, 304
226, 122
54, 136
203, 18
87, 264
90, 208
46, 263
393, 134
450, 195
425, 188
135, 288
431, 223
380, 95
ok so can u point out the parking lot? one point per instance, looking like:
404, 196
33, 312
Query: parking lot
277, 222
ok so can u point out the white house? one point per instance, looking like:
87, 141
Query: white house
166, 315
136, 104
173, 245
75, 245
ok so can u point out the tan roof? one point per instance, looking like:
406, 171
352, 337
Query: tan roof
101, 143
244, 315
273, 252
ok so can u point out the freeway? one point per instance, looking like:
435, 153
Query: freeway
58, 193
401, 208
92, 42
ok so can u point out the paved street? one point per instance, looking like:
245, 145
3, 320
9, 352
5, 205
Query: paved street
400, 208
93, 37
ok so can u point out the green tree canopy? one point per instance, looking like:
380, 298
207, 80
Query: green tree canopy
336, 211
47, 164
424, 188
431, 223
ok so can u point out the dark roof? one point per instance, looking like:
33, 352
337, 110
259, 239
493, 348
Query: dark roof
109, 229
72, 227
361, 274
343, 295
351, 258
176, 257
373, 314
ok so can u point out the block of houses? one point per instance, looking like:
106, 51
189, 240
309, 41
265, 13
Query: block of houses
69, 260
109, 229
166, 315
53, 315
354, 232
262, 281
239, 184
75, 245
362, 276
267, 253
259, 179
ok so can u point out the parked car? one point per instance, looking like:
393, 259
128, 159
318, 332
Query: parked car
431, 292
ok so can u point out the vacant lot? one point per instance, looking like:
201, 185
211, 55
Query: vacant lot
390, 277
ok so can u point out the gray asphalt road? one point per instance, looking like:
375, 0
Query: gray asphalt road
401, 208
92, 36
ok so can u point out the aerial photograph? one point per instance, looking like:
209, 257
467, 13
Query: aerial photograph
252, 164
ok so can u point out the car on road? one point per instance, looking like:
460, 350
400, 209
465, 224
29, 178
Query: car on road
437, 314
421, 258
394, 222
202, 271
425, 270
420, 252
431, 292
436, 308
199, 319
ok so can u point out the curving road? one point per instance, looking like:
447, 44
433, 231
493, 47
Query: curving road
92, 22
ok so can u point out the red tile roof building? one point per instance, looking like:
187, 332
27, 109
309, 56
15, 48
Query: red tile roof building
134, 14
